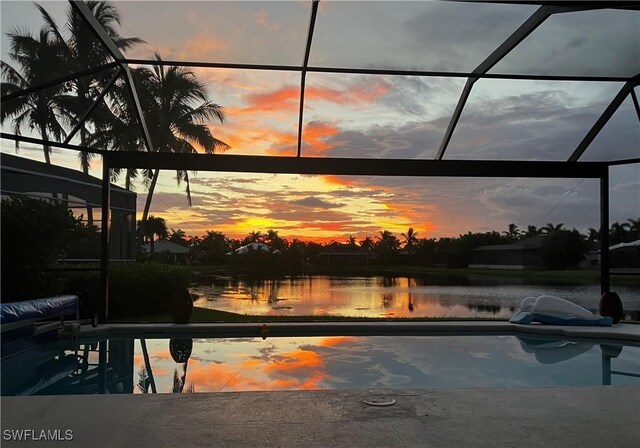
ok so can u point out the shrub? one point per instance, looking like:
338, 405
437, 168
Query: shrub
35, 233
135, 289
562, 249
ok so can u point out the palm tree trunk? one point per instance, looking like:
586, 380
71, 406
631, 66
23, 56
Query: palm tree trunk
147, 365
152, 187
46, 148
85, 169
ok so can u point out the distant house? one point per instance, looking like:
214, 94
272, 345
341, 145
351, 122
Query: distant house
252, 247
625, 255
174, 252
340, 253
524, 254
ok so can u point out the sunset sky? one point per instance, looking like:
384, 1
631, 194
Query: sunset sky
386, 116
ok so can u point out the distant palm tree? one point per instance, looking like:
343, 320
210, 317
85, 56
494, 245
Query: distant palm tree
531, 231
39, 58
178, 237
593, 235
634, 227
619, 232
367, 243
352, 240
550, 228
254, 237
410, 238
513, 233
152, 226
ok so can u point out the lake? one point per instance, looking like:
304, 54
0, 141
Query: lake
379, 296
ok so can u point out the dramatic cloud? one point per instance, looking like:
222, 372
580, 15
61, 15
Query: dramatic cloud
387, 116
315, 202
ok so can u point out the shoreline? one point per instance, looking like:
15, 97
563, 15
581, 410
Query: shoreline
436, 274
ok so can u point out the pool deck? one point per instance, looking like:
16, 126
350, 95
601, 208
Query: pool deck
564, 417
581, 417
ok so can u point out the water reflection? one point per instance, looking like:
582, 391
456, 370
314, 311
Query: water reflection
214, 365
384, 296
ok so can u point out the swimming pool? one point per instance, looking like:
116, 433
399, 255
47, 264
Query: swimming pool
128, 364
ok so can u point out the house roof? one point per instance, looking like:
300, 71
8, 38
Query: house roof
167, 246
635, 243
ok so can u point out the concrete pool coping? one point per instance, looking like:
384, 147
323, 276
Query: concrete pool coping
629, 333
581, 417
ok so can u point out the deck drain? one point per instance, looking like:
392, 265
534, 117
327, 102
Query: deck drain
379, 401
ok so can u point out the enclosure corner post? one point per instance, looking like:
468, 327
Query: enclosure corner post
604, 231
104, 246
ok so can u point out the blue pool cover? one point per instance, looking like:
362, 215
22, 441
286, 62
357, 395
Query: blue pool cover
39, 308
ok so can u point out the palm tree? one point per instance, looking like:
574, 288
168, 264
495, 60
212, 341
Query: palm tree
151, 227
594, 235
82, 50
253, 237
550, 228
634, 227
531, 231
367, 243
37, 57
618, 232
351, 241
411, 238
179, 237
178, 111
513, 233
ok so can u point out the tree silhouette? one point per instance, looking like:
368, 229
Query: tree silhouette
178, 237
619, 232
512, 233
550, 228
151, 227
39, 59
410, 239
178, 120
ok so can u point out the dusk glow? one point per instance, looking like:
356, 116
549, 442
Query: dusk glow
384, 116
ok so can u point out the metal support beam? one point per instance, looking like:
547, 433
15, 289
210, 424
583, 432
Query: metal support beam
603, 119
95, 103
355, 167
136, 101
524, 30
39, 141
60, 80
604, 232
104, 240
634, 97
376, 71
305, 63
81, 7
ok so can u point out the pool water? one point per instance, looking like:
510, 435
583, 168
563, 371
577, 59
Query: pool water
307, 363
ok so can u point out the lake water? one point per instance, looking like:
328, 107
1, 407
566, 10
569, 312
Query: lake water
386, 297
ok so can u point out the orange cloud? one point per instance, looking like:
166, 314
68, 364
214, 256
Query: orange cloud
298, 360
335, 341
314, 135
339, 180
287, 98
